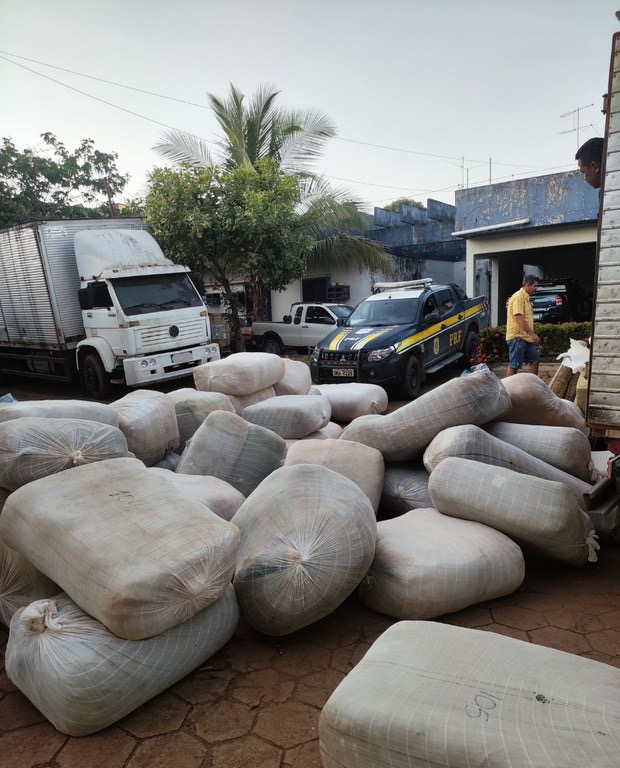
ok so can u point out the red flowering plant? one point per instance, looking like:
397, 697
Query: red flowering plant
492, 348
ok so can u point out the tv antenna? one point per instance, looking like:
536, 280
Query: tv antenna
576, 127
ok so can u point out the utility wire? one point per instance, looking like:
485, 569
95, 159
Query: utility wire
459, 161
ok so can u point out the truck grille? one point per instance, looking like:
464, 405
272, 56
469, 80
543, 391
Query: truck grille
335, 356
154, 338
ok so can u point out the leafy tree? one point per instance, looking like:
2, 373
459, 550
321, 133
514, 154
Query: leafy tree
237, 223
56, 183
260, 129
395, 205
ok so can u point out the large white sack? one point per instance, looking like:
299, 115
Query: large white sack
125, 545
217, 495
149, 422
296, 380
239, 374
542, 514
35, 447
290, 416
431, 695
83, 678
361, 464
226, 446
330, 431
533, 402
405, 433
405, 487
20, 583
353, 399
307, 539
193, 407
427, 564
239, 402
566, 448
60, 409
471, 442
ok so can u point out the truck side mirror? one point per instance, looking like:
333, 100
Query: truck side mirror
287, 319
341, 321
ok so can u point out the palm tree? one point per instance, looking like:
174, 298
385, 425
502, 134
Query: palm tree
258, 128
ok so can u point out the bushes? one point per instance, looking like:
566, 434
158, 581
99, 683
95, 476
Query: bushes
554, 339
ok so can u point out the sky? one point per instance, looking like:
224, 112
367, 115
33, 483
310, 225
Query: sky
428, 96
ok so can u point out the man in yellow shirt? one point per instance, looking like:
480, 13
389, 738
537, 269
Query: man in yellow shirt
520, 334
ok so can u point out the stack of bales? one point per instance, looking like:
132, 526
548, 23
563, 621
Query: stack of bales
122, 531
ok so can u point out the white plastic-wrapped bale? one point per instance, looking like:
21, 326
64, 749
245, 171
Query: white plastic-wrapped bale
193, 407
226, 446
149, 422
405, 433
239, 402
170, 462
533, 402
84, 678
471, 442
307, 539
35, 447
296, 379
125, 545
290, 416
431, 695
405, 487
20, 583
539, 513
330, 431
361, 464
353, 399
426, 566
217, 495
240, 374
59, 409
566, 448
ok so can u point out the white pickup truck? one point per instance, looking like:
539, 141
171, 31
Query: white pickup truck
304, 327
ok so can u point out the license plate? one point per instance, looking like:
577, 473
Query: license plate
181, 357
537, 316
344, 372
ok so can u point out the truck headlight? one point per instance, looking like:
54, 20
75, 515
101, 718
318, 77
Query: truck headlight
316, 353
375, 355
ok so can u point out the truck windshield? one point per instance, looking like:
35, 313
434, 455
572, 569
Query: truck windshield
384, 312
154, 293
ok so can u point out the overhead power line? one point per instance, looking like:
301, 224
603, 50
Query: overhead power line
4, 54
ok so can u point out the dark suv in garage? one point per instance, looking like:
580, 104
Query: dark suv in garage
561, 301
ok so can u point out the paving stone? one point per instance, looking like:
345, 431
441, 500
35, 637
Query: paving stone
611, 620
302, 658
253, 654
344, 659
163, 714
500, 629
307, 755
175, 749
562, 639
474, 617
202, 687
221, 721
574, 620
520, 618
6, 685
316, 688
246, 753
17, 711
287, 724
30, 746
109, 748
606, 641
262, 687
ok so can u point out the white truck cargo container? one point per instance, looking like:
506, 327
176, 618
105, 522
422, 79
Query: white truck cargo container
97, 298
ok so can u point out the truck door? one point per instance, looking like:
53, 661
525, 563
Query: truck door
432, 345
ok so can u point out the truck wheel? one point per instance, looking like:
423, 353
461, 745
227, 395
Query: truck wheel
414, 374
470, 349
272, 346
96, 380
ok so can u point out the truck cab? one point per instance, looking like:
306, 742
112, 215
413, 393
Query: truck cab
401, 333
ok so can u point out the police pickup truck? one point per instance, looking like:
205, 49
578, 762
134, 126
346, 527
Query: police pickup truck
401, 333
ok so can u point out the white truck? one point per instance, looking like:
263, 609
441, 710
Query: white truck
98, 299
303, 327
